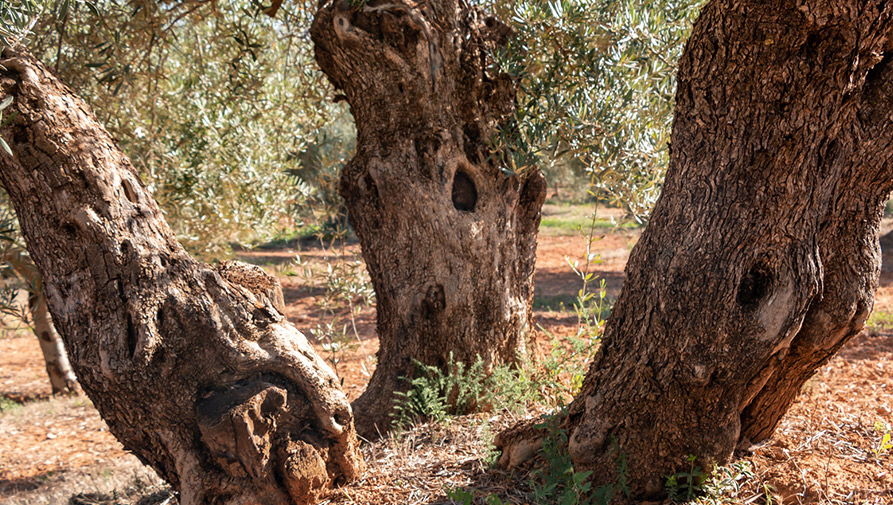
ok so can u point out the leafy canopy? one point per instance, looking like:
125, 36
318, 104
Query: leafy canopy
597, 80
229, 122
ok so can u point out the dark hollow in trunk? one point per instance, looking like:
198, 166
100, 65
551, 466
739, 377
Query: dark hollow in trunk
193, 367
449, 240
761, 258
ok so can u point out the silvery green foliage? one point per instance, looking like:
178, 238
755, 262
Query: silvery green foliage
16, 19
229, 122
597, 81
213, 102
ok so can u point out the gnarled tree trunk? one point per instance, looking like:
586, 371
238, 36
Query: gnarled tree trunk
761, 257
449, 240
194, 368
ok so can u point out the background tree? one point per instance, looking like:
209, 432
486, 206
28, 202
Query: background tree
476, 188
761, 258
214, 100
448, 239
595, 92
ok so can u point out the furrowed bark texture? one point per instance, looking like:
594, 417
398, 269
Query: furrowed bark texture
448, 239
193, 367
761, 258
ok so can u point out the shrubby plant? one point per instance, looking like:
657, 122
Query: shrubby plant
552, 380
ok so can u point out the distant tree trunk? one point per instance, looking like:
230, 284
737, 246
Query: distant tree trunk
449, 240
761, 257
887, 242
194, 368
62, 378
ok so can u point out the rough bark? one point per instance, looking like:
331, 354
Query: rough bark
761, 257
193, 367
62, 378
449, 240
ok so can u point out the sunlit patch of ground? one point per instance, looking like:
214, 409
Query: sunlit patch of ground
51, 449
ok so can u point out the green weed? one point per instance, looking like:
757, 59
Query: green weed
347, 287
571, 225
881, 320
885, 442
435, 394
7, 405
428, 398
724, 485
336, 340
554, 303
465, 496
570, 303
558, 482
686, 485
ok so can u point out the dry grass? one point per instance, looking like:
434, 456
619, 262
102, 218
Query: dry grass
65, 447
124, 483
419, 465
822, 453
824, 449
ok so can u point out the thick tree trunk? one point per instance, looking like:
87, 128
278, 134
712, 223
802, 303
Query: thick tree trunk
194, 368
449, 240
761, 257
62, 378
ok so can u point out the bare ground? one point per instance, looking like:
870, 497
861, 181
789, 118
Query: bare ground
54, 448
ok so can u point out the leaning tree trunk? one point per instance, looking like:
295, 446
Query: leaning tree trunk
62, 378
761, 257
194, 368
449, 240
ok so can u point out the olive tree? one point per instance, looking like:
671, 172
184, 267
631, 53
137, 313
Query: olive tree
761, 257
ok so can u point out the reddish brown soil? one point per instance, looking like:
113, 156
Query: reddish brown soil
822, 452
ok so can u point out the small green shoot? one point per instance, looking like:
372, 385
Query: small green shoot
687, 485
885, 443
